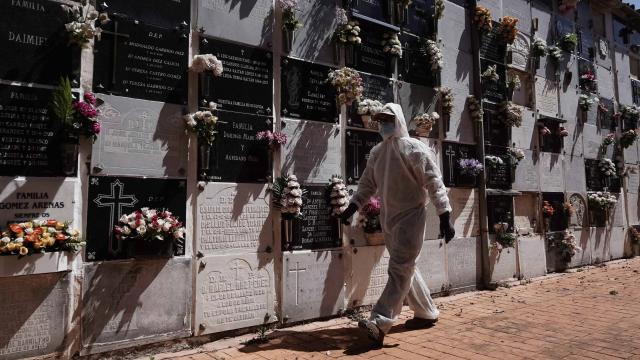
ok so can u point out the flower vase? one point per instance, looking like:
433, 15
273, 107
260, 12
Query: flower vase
140, 248
288, 37
336, 52
423, 131
205, 158
349, 54
374, 239
69, 158
510, 93
287, 232
400, 13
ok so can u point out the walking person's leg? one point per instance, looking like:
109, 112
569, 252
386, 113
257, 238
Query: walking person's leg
425, 312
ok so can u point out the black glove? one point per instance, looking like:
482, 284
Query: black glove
446, 228
348, 213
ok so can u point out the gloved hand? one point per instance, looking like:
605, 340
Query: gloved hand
446, 228
348, 213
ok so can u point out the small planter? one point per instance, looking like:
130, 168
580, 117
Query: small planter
140, 249
69, 158
205, 158
288, 37
374, 239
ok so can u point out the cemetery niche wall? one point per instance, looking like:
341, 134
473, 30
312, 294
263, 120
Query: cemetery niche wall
202, 105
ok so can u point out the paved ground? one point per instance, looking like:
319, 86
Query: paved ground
588, 314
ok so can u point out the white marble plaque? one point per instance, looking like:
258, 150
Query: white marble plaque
313, 285
617, 216
140, 138
633, 179
502, 264
584, 255
551, 172
573, 143
616, 243
312, 152
415, 99
135, 301
432, 265
531, 256
524, 137
527, 177
249, 22
367, 274
631, 154
525, 211
591, 139
458, 78
313, 41
545, 24
623, 75
598, 244
575, 174
234, 218
36, 198
523, 96
464, 264
520, 9
546, 97
633, 208
520, 51
569, 93
35, 315
233, 292
605, 82
464, 203
455, 25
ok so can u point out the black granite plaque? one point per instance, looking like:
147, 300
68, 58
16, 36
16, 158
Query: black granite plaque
586, 44
414, 65
563, 26
30, 142
597, 182
306, 94
34, 42
236, 155
558, 221
358, 145
492, 47
495, 91
499, 210
498, 176
635, 91
141, 61
369, 57
553, 142
495, 131
111, 197
451, 153
375, 88
168, 14
370, 10
605, 113
420, 18
318, 229
246, 84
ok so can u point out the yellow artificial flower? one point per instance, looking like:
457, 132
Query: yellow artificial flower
59, 226
12, 247
24, 251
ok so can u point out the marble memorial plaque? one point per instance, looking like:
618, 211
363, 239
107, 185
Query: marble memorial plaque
306, 93
605, 82
371, 10
605, 114
594, 179
583, 256
236, 155
586, 44
313, 285
167, 14
492, 47
569, 92
358, 146
587, 67
519, 52
312, 151
579, 218
367, 275
36, 198
318, 229
420, 19
248, 22
592, 139
604, 52
584, 16
495, 91
633, 179
233, 292
414, 67
451, 154
36, 316
111, 197
542, 11
563, 26
234, 218
521, 10
30, 140
635, 91
128, 301
574, 174
499, 176
415, 100
632, 202
525, 213
546, 97
368, 56
616, 243
552, 172
456, 29
526, 176
314, 41
140, 138
463, 262
598, 243
623, 75
464, 203
141, 61
34, 33
458, 79
495, 131
375, 88
524, 137
432, 265
244, 68
532, 257
503, 264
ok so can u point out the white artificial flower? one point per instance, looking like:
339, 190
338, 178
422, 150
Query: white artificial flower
142, 229
5, 240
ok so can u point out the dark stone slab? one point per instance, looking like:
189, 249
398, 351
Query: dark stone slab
318, 229
168, 14
358, 145
500, 209
415, 67
368, 56
306, 93
451, 153
375, 88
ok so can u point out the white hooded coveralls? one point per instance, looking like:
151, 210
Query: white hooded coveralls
402, 171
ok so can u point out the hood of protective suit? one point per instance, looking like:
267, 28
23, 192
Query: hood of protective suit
400, 123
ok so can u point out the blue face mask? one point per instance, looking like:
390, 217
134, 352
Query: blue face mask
387, 129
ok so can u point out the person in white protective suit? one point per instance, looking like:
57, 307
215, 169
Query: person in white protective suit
402, 171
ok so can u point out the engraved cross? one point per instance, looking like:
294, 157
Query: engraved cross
450, 154
236, 267
115, 201
297, 270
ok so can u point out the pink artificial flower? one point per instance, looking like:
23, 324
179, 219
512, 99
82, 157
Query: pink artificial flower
372, 208
90, 98
96, 128
265, 135
279, 138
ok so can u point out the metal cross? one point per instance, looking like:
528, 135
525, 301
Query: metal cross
297, 270
115, 201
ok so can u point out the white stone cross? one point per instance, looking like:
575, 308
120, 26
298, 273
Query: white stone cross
297, 270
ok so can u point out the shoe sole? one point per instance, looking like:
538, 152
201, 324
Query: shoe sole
373, 334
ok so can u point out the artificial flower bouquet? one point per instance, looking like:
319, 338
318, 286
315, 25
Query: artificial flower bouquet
289, 20
430, 50
601, 201
82, 26
366, 109
585, 102
287, 197
424, 123
569, 41
369, 220
515, 156
567, 246
150, 232
510, 114
206, 62
39, 236
608, 140
547, 209
490, 74
634, 234
203, 123
538, 48
628, 138
273, 140
555, 53
78, 116
391, 44
348, 33
508, 29
562, 131
446, 99
470, 167
475, 110
607, 168
482, 19
348, 85
493, 161
337, 195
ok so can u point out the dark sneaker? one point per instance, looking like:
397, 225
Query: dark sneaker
373, 331
419, 323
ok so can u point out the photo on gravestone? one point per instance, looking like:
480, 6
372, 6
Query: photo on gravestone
306, 94
551, 141
236, 155
375, 88
371, 10
317, 229
498, 171
168, 14
246, 84
358, 145
499, 210
494, 90
141, 61
495, 131
111, 197
587, 73
31, 141
492, 47
605, 118
369, 55
414, 66
36, 43
586, 44
558, 218
452, 175
421, 19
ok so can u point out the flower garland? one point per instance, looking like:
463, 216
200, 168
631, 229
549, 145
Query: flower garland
348, 33
515, 156
513, 81
39, 236
510, 114
431, 51
585, 102
369, 107
424, 122
547, 209
337, 195
82, 26
608, 140
602, 201
475, 111
508, 29
287, 197
607, 168
538, 48
391, 44
149, 224
569, 41
555, 53
470, 167
493, 161
368, 217
203, 123
348, 85
628, 138
482, 19
562, 131
273, 140
78, 117
206, 62
446, 99
439, 9
490, 74
289, 20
